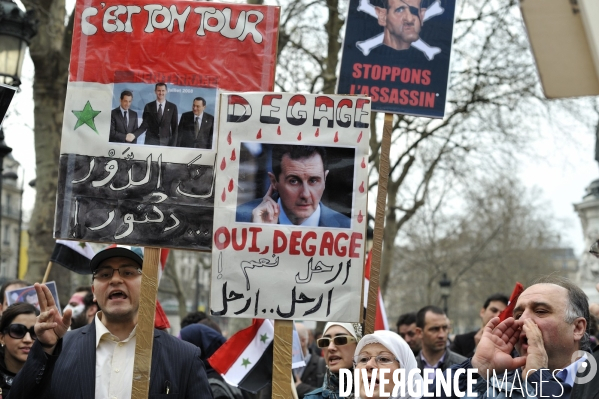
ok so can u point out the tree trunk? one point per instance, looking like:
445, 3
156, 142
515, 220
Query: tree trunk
50, 52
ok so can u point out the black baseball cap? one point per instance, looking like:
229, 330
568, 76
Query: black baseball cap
134, 253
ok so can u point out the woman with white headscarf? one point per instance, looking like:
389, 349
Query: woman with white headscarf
387, 350
338, 344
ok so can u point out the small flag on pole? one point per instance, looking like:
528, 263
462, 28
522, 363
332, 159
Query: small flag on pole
73, 255
245, 360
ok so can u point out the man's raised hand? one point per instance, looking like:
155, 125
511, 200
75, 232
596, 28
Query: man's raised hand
268, 210
495, 347
536, 355
50, 325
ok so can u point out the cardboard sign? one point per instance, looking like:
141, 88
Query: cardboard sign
397, 52
290, 206
140, 127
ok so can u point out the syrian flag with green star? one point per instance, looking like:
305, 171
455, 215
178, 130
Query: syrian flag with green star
245, 360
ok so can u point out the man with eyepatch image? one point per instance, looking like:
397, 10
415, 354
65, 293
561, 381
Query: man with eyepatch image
98, 358
402, 20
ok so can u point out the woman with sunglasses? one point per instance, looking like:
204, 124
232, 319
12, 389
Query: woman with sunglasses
387, 350
16, 337
338, 344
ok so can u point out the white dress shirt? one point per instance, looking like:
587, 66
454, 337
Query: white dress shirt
114, 363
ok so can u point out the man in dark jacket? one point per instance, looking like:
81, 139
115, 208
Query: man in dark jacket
464, 344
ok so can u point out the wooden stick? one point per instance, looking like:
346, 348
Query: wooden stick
142, 365
47, 274
281, 364
379, 226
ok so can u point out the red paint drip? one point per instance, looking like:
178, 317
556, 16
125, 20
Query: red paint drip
229, 138
223, 164
233, 156
231, 185
363, 164
259, 135
360, 137
224, 196
361, 187
279, 130
317, 132
336, 137
360, 217
299, 136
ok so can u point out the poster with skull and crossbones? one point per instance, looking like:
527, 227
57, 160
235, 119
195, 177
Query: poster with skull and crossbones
398, 53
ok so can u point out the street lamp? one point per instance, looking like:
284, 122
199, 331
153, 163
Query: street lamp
445, 289
17, 28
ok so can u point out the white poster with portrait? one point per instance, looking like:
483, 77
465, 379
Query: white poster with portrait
290, 206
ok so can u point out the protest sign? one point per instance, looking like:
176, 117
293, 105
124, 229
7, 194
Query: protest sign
28, 294
284, 160
136, 165
397, 52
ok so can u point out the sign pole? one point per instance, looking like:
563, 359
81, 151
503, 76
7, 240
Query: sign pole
379, 225
47, 274
281, 365
145, 324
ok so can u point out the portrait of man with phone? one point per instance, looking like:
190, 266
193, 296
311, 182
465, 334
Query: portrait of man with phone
297, 183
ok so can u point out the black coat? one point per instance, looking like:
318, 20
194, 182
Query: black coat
186, 131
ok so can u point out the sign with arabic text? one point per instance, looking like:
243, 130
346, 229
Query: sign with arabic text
140, 123
290, 206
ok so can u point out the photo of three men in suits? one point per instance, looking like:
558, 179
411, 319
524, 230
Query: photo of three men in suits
160, 122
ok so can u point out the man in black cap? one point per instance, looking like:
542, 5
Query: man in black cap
96, 361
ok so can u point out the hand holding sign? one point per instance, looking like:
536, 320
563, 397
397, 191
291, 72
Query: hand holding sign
268, 210
50, 326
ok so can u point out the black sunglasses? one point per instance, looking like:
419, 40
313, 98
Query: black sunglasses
339, 340
18, 331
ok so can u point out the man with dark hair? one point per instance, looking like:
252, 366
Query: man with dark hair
123, 121
96, 361
196, 127
76, 301
90, 308
549, 332
297, 183
402, 20
406, 328
160, 120
464, 344
193, 318
432, 327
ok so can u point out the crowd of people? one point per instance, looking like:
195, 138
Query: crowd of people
88, 349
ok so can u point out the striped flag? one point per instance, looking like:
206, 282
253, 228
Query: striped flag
380, 321
245, 360
73, 255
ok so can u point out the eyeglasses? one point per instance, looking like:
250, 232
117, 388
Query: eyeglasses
18, 331
380, 360
127, 272
339, 340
